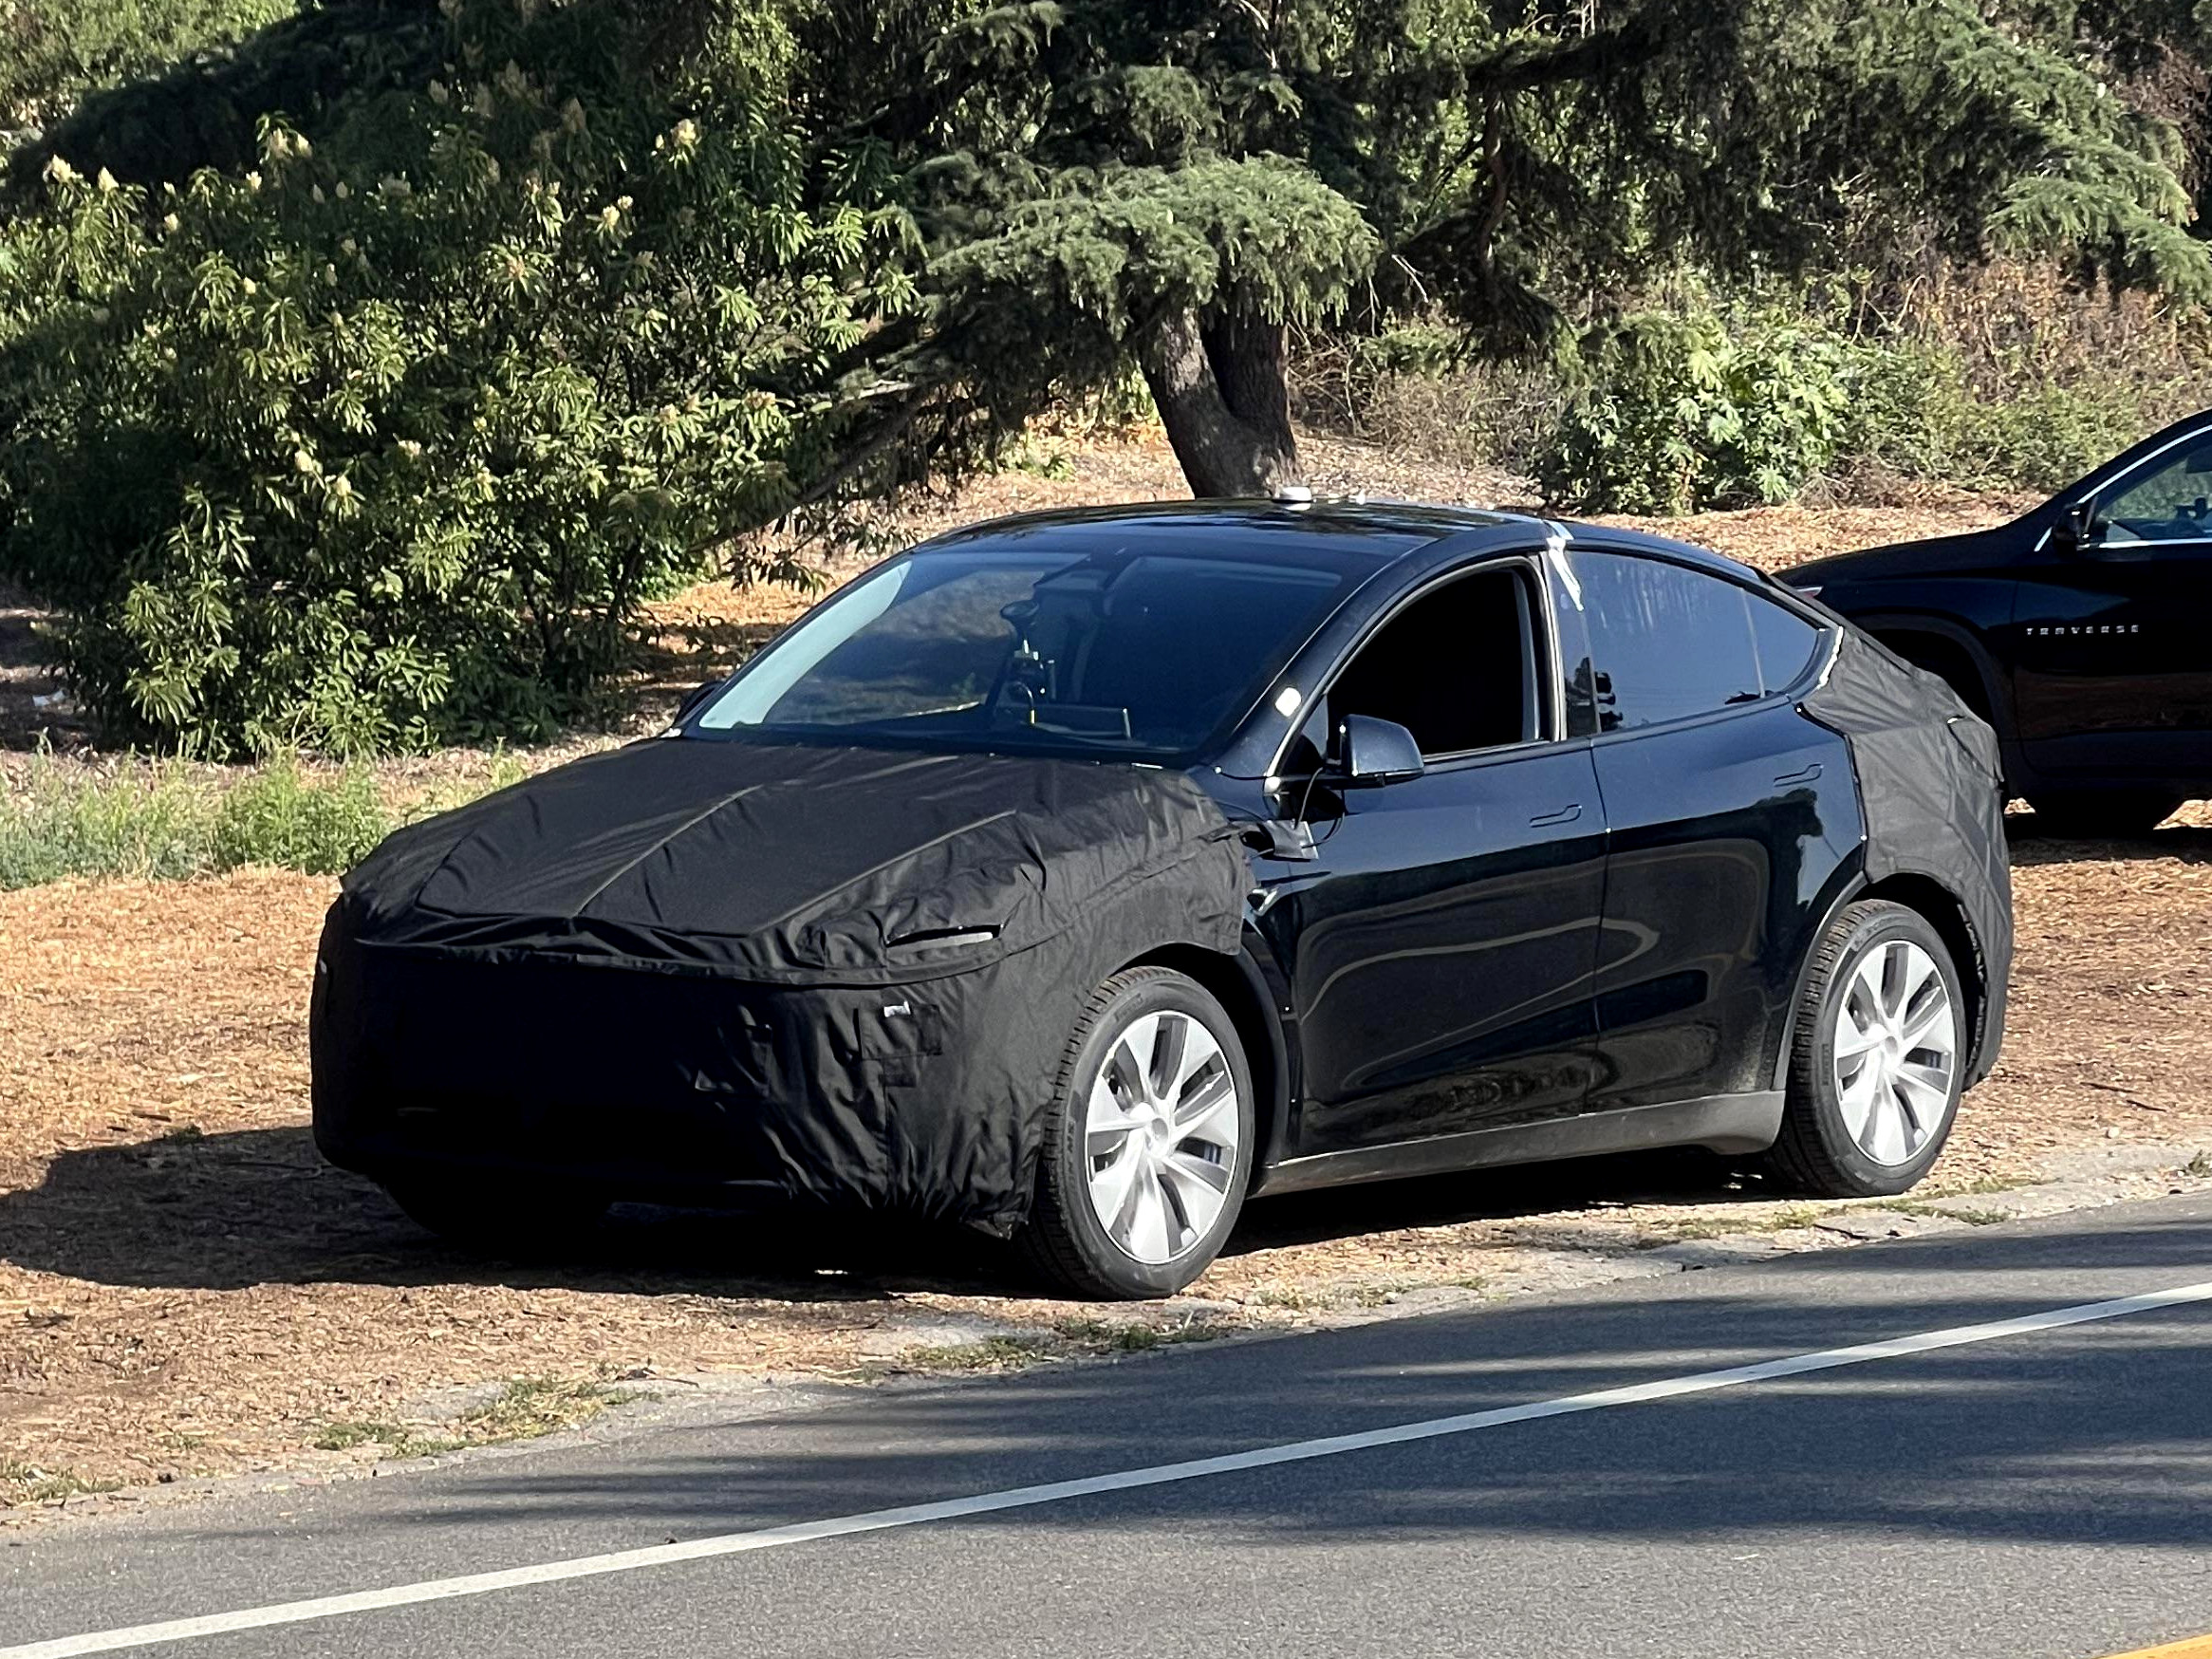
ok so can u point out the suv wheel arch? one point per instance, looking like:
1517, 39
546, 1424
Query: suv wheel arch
1954, 656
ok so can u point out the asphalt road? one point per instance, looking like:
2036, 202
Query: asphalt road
2034, 1491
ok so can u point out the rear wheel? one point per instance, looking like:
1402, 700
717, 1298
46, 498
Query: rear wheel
1149, 1146
476, 1214
1880, 1057
2102, 812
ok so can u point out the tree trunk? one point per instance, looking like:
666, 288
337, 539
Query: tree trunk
1224, 397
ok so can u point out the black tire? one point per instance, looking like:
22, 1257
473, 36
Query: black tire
2102, 815
480, 1214
1817, 1153
1064, 1238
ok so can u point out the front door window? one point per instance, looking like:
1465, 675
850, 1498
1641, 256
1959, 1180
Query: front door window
2169, 501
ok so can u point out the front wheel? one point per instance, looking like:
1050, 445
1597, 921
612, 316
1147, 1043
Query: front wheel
1148, 1145
1879, 1059
2102, 813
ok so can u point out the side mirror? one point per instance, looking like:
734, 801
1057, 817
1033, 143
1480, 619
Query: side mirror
2070, 535
695, 695
1375, 752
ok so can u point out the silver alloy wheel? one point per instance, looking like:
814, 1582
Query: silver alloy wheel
1161, 1131
1896, 1051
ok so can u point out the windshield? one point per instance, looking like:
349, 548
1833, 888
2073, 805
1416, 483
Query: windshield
1065, 651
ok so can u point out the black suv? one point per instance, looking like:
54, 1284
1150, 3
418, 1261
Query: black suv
2082, 631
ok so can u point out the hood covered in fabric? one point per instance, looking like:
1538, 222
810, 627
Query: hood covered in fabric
789, 862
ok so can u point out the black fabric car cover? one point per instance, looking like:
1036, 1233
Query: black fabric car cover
1930, 787
740, 969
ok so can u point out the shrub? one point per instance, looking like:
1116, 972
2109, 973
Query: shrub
164, 821
383, 442
1915, 411
58, 49
1415, 388
1679, 413
275, 817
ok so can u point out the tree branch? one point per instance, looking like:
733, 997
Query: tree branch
1527, 65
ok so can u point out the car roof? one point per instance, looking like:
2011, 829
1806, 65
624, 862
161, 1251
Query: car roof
1362, 535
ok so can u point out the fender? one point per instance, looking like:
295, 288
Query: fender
1270, 991
1996, 677
1847, 883
1254, 990
1854, 886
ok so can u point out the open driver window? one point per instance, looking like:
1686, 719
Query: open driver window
1456, 668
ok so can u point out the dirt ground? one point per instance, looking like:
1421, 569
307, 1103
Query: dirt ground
185, 1292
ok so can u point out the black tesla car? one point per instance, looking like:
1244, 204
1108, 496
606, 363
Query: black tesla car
1074, 877
2082, 631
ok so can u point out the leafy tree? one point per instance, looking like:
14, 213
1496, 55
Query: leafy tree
1173, 181
382, 440
155, 90
363, 374
1094, 184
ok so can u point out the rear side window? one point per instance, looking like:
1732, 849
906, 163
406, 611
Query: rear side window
1669, 641
1784, 639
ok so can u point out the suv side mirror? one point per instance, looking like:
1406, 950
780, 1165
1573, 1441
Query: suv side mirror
1373, 752
695, 695
2070, 535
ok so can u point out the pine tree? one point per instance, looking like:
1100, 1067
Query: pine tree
1173, 182
1089, 186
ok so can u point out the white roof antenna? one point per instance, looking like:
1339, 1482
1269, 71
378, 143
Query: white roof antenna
1293, 495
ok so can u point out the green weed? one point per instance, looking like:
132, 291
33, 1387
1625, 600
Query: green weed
531, 1406
277, 818
396, 1439
23, 1482
1110, 1337
1972, 1216
150, 822
164, 821
526, 1408
994, 1354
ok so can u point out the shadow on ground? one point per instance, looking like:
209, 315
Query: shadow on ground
28, 718
259, 1207
1988, 1442
2189, 843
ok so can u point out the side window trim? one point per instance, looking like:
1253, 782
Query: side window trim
1535, 598
1824, 653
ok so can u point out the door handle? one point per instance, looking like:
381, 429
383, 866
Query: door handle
1566, 814
1805, 775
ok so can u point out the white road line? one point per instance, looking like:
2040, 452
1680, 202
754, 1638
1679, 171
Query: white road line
738, 1544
